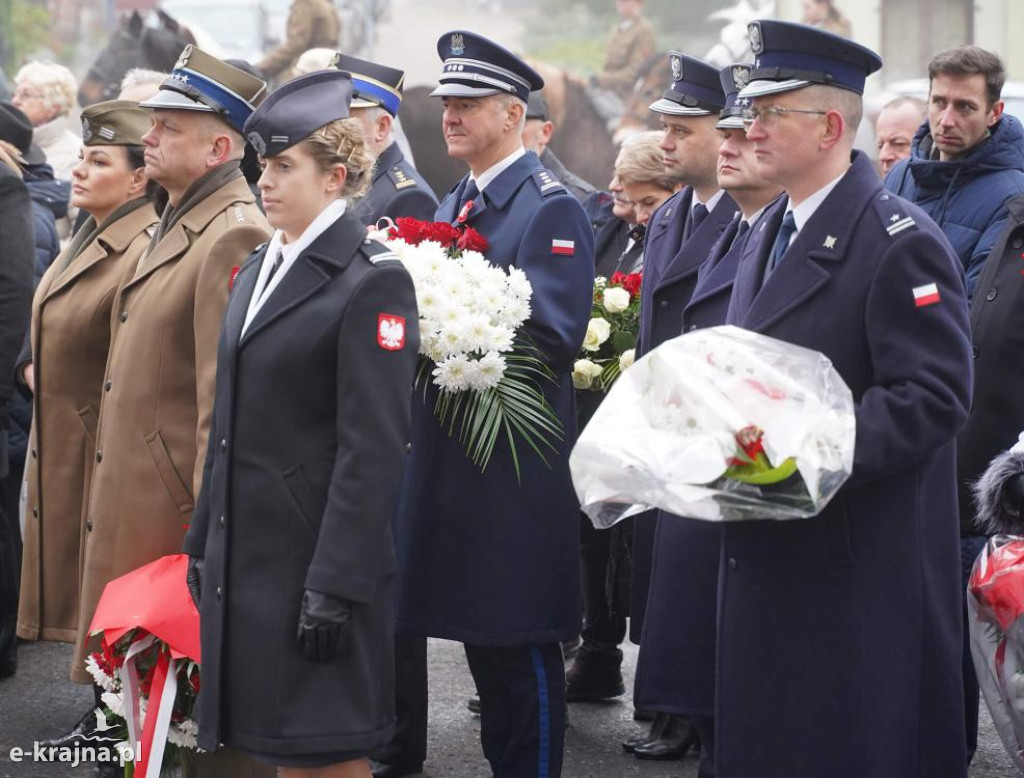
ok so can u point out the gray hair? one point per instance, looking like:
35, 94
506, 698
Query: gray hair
137, 77
55, 82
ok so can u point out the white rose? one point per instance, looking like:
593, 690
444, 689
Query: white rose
616, 299
584, 372
598, 331
626, 359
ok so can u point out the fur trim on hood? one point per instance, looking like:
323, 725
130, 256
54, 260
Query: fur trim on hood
995, 516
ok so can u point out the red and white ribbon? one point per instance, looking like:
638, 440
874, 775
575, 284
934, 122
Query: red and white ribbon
148, 746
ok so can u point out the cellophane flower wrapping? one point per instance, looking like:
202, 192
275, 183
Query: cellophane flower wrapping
667, 435
995, 607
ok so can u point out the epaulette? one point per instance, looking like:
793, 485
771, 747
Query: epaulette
239, 213
892, 212
377, 252
546, 182
400, 179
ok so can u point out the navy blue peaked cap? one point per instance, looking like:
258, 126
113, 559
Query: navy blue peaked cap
476, 67
696, 89
734, 78
372, 84
791, 56
297, 109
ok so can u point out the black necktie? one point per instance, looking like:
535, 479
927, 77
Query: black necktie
740, 232
274, 268
782, 241
469, 194
697, 215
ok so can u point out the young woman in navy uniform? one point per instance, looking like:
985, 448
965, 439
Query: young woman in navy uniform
291, 538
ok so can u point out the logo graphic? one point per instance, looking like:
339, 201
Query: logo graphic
756, 41
458, 44
740, 76
390, 331
257, 142
676, 63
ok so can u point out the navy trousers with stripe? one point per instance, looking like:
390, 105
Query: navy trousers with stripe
522, 708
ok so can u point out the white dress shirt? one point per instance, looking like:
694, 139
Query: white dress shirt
803, 212
496, 169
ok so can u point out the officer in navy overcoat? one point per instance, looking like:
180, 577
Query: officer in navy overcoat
839, 637
487, 558
308, 441
676, 667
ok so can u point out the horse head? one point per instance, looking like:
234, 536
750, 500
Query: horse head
637, 117
733, 42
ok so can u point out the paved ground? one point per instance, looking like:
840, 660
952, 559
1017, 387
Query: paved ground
40, 702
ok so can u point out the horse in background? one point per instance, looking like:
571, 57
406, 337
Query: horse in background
133, 45
580, 139
654, 77
733, 41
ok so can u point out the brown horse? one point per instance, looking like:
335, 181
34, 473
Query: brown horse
654, 77
580, 140
133, 45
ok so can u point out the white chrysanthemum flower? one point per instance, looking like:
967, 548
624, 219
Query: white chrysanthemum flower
500, 339
100, 678
600, 282
514, 313
492, 368
475, 333
615, 300
598, 331
184, 735
451, 374
518, 284
114, 701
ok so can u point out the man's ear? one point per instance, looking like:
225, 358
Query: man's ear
516, 110
997, 112
222, 149
835, 128
384, 124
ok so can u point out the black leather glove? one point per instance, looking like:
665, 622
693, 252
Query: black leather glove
1013, 494
194, 577
324, 624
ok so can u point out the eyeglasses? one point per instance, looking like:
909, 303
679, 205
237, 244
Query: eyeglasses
769, 116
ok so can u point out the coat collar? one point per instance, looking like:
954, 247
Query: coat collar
498, 192
671, 217
695, 250
815, 252
115, 239
179, 239
328, 255
388, 158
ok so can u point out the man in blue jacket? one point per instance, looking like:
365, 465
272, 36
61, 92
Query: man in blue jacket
967, 164
968, 158
488, 558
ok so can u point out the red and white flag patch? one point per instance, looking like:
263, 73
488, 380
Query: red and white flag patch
390, 331
564, 247
926, 295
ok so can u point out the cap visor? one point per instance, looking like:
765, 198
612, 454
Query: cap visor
675, 109
461, 90
168, 98
731, 123
762, 88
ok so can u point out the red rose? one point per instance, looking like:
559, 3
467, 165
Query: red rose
443, 232
412, 231
471, 240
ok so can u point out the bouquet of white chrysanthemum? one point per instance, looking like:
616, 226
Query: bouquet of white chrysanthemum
472, 346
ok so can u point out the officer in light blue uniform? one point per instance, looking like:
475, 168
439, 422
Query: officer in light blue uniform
839, 637
398, 190
485, 558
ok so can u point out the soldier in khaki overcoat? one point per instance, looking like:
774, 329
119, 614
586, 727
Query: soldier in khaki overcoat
70, 339
154, 417
312, 24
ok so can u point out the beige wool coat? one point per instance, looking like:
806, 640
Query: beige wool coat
158, 393
70, 340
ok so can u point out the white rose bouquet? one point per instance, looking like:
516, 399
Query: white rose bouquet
472, 347
610, 343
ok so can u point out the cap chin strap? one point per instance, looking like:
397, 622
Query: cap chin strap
688, 101
194, 94
792, 74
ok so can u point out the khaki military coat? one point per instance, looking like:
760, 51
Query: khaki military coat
630, 45
312, 24
158, 392
70, 340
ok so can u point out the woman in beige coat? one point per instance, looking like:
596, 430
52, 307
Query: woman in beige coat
70, 339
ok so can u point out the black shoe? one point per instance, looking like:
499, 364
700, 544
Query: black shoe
474, 705
570, 648
658, 725
639, 714
592, 679
381, 770
83, 733
679, 737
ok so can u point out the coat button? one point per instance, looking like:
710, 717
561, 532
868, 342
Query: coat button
124, 316
222, 522
224, 444
34, 455
733, 564
107, 385
992, 294
975, 350
664, 303
408, 447
88, 525
99, 456
35, 513
219, 592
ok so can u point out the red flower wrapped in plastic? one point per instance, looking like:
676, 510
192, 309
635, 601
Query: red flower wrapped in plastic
453, 237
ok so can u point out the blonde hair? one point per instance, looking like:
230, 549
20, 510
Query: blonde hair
55, 82
10, 156
343, 142
641, 161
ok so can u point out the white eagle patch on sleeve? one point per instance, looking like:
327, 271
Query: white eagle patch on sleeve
390, 331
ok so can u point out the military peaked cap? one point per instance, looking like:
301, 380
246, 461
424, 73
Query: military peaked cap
476, 67
696, 89
373, 85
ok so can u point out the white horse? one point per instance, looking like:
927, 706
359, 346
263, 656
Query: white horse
734, 44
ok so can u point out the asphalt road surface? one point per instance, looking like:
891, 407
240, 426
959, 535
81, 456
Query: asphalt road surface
40, 702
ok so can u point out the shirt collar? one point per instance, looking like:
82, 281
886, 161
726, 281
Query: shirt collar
710, 204
497, 169
803, 212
